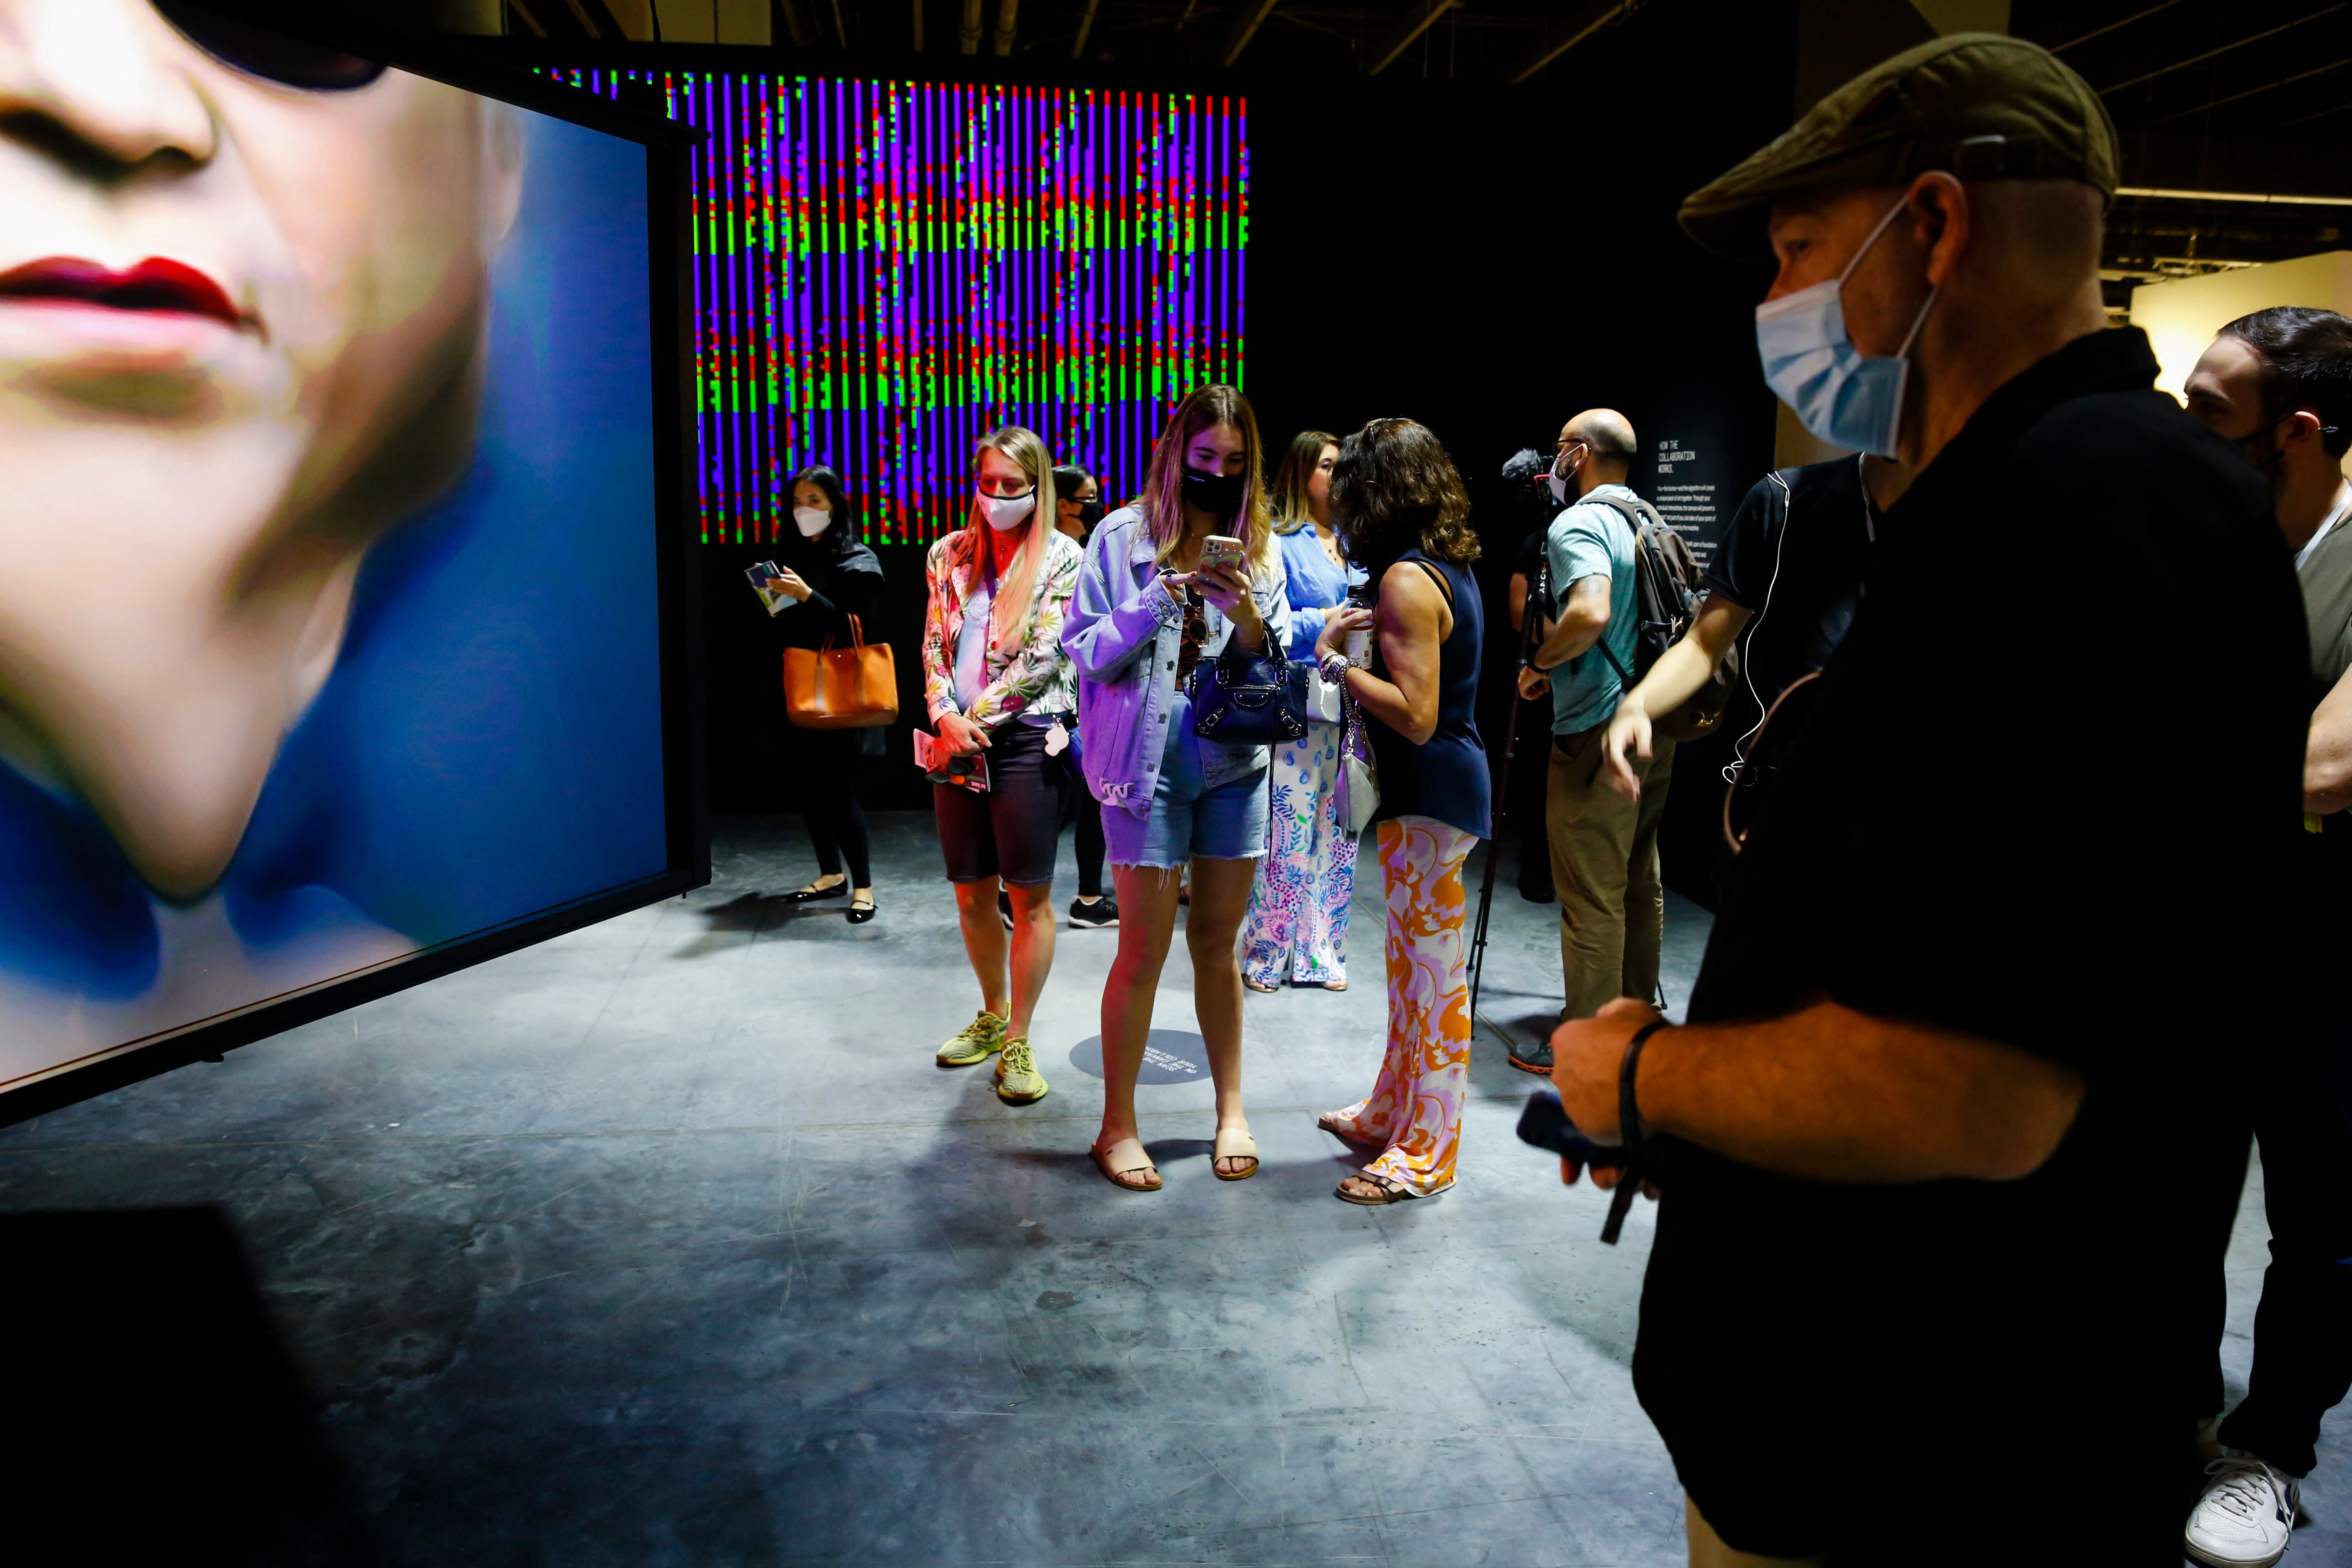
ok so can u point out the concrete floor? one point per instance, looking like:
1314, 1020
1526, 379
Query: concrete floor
665, 1243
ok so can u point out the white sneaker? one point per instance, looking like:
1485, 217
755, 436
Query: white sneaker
2246, 1518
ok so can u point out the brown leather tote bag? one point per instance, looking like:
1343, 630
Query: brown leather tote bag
853, 688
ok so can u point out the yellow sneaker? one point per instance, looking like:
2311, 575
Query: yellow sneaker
979, 1041
1018, 1081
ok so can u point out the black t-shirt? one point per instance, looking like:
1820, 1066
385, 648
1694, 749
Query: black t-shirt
2038, 803
1795, 557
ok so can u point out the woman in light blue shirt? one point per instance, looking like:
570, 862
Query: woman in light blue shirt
1297, 924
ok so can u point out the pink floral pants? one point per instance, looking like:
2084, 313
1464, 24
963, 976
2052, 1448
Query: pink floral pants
1415, 1109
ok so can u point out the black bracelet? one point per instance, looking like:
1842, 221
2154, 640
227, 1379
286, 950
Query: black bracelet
1628, 1110
1629, 1132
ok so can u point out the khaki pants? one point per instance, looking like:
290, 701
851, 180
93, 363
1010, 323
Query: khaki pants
1604, 868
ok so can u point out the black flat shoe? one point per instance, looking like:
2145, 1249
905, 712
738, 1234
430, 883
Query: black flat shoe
860, 913
802, 895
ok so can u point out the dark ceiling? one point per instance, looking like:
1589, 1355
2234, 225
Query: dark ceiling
2244, 97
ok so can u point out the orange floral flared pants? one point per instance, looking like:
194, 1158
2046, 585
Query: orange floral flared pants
1415, 1109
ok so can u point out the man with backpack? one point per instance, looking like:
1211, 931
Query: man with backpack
1604, 846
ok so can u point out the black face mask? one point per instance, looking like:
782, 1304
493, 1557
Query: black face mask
1220, 495
1090, 513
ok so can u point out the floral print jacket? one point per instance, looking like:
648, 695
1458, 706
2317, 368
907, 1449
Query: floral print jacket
1035, 678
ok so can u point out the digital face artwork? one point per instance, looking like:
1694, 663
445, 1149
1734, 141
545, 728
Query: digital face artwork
329, 628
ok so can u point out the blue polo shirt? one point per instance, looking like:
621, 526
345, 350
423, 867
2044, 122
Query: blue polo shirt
1593, 539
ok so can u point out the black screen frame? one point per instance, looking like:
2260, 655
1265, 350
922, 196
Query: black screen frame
687, 828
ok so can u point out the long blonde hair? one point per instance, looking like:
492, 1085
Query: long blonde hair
1008, 616
1292, 511
1163, 500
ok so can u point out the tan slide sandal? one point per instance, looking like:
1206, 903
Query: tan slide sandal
1120, 1177
1236, 1152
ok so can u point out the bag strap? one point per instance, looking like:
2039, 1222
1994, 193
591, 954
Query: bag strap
1437, 577
856, 633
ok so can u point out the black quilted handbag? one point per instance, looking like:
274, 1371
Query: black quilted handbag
1243, 698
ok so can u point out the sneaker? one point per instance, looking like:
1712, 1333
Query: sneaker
1018, 1081
1533, 1058
2246, 1518
1100, 915
979, 1041
1004, 908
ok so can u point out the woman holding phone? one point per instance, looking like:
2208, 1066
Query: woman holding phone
999, 687
1403, 515
1170, 583
828, 576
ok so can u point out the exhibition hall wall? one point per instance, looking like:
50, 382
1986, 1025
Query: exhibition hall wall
332, 629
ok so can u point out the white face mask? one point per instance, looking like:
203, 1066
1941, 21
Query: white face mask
1837, 393
811, 521
1007, 511
1560, 481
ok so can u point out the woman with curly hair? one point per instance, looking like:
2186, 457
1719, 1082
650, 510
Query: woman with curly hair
1402, 516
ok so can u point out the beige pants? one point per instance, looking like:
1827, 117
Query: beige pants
1604, 867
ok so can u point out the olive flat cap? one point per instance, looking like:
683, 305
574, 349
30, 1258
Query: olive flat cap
1979, 105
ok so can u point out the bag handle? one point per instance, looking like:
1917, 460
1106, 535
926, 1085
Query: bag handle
857, 638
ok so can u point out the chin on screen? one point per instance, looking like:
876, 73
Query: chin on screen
339, 407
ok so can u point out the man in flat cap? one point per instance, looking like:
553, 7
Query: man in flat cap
1935, 1143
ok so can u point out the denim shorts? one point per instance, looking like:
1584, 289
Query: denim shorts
1188, 818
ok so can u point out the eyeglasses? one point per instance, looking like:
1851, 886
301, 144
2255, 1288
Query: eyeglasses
272, 56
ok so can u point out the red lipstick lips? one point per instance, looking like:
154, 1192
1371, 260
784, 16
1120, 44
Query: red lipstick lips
155, 284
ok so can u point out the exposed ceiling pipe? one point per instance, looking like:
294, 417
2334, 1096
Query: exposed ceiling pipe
1008, 16
2225, 48
918, 27
1086, 25
968, 39
1570, 30
1245, 26
2159, 193
1400, 37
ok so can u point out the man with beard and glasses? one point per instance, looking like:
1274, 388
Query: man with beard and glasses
2279, 384
1936, 1145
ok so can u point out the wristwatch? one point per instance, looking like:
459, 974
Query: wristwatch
1335, 667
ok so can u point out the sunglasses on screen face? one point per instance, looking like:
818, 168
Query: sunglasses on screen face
272, 56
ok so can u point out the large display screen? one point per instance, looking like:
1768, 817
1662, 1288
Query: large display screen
884, 270
329, 424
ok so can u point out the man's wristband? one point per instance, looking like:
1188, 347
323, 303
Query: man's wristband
1628, 1110
1335, 667
1629, 1132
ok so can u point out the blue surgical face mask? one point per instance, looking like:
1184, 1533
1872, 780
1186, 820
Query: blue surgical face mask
1837, 393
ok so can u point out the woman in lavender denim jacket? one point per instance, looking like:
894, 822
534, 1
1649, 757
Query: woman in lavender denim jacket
1144, 617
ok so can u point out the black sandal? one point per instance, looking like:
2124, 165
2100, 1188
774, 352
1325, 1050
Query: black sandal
861, 910
802, 895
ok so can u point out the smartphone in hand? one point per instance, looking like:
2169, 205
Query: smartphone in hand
1218, 550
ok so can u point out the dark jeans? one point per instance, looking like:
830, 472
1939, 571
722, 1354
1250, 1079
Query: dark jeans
1525, 791
1078, 805
824, 775
2299, 1101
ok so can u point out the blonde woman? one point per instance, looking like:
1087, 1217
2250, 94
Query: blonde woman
1146, 617
999, 685
1298, 925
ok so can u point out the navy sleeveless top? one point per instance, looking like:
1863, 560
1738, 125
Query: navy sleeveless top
1446, 778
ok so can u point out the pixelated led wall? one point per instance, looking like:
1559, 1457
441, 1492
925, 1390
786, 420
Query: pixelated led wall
884, 270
